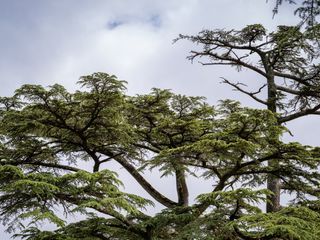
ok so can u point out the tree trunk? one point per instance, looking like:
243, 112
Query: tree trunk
182, 188
273, 182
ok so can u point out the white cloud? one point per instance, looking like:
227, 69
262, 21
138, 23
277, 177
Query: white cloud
59, 41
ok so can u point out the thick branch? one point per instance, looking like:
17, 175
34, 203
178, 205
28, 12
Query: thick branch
299, 93
300, 114
145, 184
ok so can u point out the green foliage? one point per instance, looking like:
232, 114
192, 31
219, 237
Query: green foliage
55, 146
289, 223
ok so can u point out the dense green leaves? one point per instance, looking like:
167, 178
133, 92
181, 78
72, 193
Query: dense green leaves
289, 223
55, 146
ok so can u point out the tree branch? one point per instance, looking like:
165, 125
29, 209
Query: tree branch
302, 113
43, 164
292, 77
145, 184
99, 208
250, 94
232, 61
299, 93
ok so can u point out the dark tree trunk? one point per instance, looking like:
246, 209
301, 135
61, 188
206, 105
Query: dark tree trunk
273, 182
148, 233
182, 188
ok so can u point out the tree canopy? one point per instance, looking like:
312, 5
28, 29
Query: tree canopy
55, 147
288, 62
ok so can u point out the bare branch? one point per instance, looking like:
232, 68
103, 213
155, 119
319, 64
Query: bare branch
250, 94
231, 61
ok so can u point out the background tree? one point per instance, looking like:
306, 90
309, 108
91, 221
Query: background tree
307, 10
55, 147
287, 60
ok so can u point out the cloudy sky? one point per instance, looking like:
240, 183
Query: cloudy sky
57, 41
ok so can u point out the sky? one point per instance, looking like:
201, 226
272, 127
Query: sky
57, 41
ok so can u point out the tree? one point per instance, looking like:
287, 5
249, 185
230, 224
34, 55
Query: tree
287, 60
55, 146
307, 10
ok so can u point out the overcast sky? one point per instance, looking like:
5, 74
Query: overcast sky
57, 41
